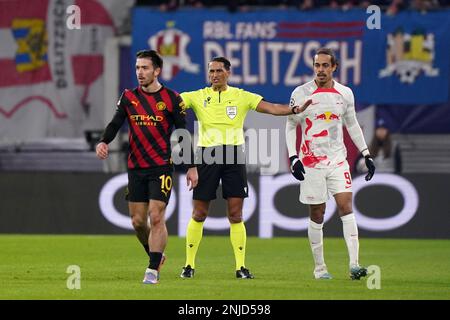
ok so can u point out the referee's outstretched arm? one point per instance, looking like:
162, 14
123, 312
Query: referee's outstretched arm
281, 109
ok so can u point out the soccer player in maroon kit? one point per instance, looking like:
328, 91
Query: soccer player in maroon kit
151, 110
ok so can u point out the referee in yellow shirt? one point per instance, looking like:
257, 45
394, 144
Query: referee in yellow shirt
221, 111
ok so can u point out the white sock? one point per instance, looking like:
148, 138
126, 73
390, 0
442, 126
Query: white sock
351, 238
315, 236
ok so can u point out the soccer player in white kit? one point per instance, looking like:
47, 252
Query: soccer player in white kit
322, 168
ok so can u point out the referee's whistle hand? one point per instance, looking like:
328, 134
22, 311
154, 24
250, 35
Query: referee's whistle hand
192, 178
102, 150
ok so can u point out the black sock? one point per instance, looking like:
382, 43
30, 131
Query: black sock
147, 249
155, 260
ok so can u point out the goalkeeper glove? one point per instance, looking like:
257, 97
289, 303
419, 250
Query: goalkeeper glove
370, 166
297, 169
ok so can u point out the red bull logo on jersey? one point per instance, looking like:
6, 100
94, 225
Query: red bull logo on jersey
172, 45
327, 116
409, 55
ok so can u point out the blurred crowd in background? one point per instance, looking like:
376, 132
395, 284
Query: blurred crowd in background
391, 7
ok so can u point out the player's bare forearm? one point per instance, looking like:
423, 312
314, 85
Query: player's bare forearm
274, 108
281, 109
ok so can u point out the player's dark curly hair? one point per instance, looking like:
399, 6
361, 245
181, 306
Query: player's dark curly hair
327, 51
225, 61
152, 55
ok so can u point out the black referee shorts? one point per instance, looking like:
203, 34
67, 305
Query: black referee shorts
149, 184
232, 173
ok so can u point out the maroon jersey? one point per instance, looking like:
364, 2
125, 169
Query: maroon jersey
151, 117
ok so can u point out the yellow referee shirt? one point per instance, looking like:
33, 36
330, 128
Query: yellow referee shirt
221, 114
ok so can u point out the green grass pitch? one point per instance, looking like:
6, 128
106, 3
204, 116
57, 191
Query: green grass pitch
112, 267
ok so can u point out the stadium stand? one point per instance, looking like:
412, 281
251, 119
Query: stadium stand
424, 153
53, 154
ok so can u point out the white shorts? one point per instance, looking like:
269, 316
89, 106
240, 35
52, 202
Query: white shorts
320, 183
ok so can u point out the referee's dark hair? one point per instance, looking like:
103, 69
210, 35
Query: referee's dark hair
225, 61
334, 61
152, 55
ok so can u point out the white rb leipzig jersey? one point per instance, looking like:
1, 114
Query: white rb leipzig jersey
322, 124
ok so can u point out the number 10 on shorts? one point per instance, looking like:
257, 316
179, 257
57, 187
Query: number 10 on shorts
166, 183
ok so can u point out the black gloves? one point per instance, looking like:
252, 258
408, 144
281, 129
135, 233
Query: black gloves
370, 166
297, 169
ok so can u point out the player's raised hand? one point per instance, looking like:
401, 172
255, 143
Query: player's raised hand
298, 109
370, 166
297, 169
102, 150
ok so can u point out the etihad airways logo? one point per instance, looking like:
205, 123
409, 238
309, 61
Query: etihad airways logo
145, 119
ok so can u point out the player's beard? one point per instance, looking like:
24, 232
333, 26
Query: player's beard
147, 84
321, 82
